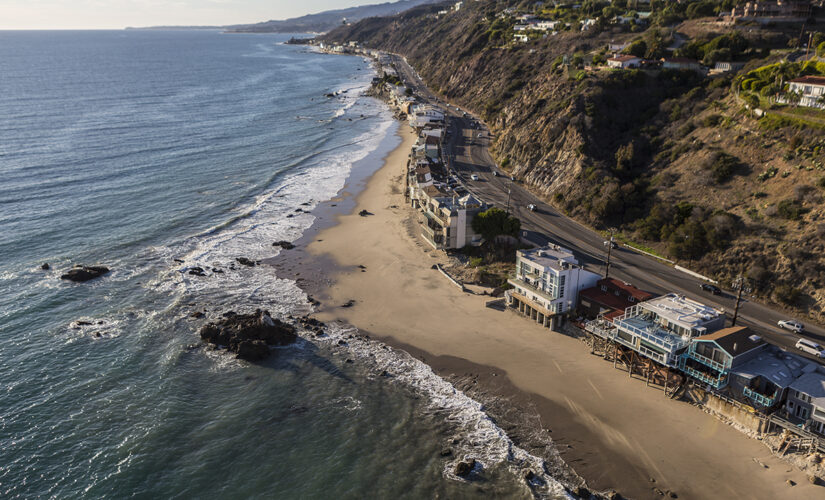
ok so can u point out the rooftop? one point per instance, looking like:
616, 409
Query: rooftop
812, 384
811, 80
679, 308
623, 58
639, 295
549, 256
774, 364
735, 340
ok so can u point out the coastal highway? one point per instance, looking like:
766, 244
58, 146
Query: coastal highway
467, 150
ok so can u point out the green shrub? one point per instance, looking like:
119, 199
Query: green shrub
789, 209
787, 294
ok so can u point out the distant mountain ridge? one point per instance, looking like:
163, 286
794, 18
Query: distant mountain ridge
315, 23
330, 19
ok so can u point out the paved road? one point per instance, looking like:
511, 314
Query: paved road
467, 148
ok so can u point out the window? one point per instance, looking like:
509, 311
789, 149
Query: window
604, 288
631, 299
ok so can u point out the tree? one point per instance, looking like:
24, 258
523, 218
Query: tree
495, 222
638, 48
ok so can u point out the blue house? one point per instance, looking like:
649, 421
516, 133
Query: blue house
710, 358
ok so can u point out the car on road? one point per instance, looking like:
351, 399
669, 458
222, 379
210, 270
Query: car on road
810, 347
792, 325
707, 287
495, 174
512, 177
474, 177
531, 207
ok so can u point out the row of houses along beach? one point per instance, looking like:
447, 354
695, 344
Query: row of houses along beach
689, 350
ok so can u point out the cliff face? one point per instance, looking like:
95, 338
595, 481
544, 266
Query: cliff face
673, 159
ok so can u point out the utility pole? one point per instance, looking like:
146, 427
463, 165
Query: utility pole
739, 283
509, 188
609, 245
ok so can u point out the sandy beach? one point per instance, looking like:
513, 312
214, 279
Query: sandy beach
615, 432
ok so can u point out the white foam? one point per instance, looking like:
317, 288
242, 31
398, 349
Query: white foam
482, 440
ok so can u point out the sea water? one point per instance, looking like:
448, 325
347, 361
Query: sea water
153, 152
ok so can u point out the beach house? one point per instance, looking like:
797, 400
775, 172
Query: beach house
609, 298
763, 381
547, 282
805, 402
446, 221
710, 358
422, 114
660, 328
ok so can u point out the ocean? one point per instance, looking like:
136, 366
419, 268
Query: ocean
153, 152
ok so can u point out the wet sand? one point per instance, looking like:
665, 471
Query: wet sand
615, 432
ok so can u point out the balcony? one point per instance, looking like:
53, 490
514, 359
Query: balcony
650, 332
434, 238
515, 281
762, 399
719, 367
715, 382
435, 218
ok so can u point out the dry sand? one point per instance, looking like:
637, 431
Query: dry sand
614, 431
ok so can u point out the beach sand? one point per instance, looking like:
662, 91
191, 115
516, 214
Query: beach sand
613, 430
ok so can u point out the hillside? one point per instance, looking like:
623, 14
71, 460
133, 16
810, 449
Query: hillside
678, 161
327, 20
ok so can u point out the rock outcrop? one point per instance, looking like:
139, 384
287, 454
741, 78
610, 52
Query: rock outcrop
249, 335
84, 273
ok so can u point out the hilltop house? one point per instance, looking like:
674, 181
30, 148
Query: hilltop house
806, 401
624, 62
811, 90
547, 282
609, 298
710, 358
660, 328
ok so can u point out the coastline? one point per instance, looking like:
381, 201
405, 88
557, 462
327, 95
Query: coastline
610, 429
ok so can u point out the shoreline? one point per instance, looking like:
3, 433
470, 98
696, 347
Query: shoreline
610, 430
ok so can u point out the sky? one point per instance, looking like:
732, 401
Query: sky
116, 14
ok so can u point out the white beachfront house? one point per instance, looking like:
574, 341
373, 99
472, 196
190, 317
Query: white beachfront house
547, 282
422, 114
661, 328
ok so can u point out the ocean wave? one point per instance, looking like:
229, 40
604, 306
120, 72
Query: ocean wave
481, 438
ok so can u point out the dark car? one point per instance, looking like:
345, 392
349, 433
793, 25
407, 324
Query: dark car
707, 287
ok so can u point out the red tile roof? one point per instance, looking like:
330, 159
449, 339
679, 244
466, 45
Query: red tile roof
623, 58
639, 295
812, 80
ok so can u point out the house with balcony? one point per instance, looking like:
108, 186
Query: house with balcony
710, 358
660, 328
609, 298
547, 282
446, 222
763, 381
805, 402
421, 115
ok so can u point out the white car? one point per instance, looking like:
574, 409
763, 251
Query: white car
531, 207
789, 324
474, 177
810, 347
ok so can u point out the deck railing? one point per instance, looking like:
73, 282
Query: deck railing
762, 399
715, 382
654, 339
720, 367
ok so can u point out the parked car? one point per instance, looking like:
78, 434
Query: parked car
707, 287
810, 347
613, 244
474, 177
792, 325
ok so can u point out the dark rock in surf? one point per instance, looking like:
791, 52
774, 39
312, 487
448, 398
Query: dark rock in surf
249, 335
84, 273
245, 262
463, 469
197, 271
197, 315
284, 244
45, 266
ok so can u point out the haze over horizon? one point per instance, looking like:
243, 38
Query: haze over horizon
118, 14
